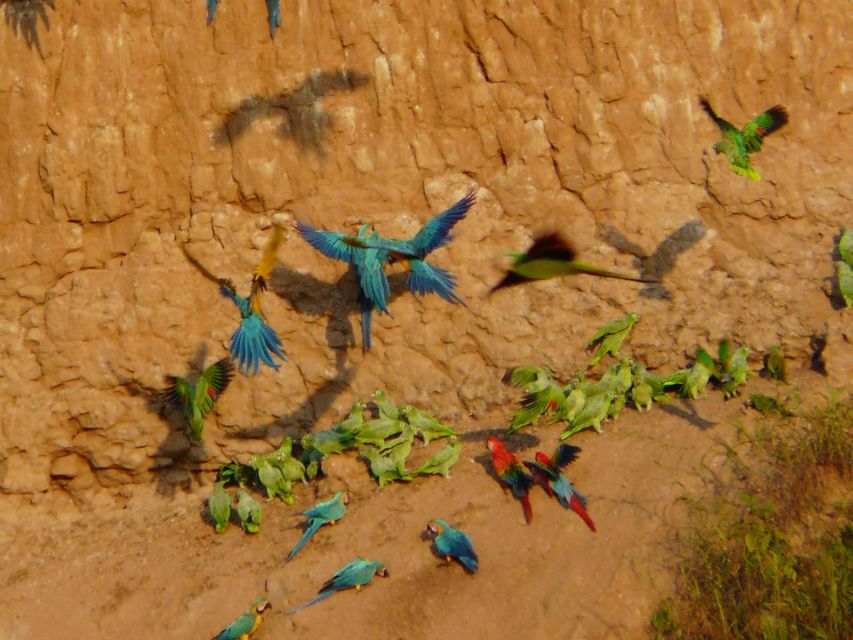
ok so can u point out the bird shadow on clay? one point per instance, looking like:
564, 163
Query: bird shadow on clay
313, 297
688, 412
663, 259
183, 456
22, 16
302, 118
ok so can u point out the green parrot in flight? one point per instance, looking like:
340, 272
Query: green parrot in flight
453, 543
737, 145
552, 256
196, 401
356, 574
246, 625
327, 512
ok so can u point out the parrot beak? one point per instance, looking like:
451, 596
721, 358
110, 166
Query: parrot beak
432, 528
383, 572
346, 498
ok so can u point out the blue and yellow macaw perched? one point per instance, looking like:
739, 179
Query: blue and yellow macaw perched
373, 287
423, 277
196, 401
356, 574
254, 341
737, 145
327, 512
244, 626
453, 543
273, 10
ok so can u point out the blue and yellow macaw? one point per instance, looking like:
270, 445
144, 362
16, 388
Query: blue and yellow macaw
453, 543
254, 341
273, 10
373, 287
327, 512
423, 277
356, 574
244, 626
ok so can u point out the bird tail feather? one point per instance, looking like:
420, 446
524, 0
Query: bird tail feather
313, 526
578, 508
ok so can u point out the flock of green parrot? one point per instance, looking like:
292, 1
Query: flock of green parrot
582, 404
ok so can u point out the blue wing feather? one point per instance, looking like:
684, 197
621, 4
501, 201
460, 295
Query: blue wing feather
424, 278
436, 232
274, 10
331, 244
211, 10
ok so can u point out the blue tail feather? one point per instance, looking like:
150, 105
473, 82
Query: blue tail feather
253, 342
314, 525
319, 598
211, 10
274, 15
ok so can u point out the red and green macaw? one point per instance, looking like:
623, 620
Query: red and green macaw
548, 473
273, 9
196, 401
246, 625
511, 473
255, 342
356, 574
737, 145
453, 543
327, 512
552, 256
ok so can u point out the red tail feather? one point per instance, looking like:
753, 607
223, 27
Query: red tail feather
579, 509
528, 510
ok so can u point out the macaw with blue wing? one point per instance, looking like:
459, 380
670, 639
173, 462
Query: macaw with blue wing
273, 11
246, 625
356, 574
327, 512
423, 277
548, 473
373, 287
453, 543
254, 341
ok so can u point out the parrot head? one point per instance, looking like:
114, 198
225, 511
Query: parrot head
382, 571
494, 444
436, 526
343, 498
261, 604
718, 148
543, 459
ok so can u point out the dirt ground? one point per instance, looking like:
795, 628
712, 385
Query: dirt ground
148, 566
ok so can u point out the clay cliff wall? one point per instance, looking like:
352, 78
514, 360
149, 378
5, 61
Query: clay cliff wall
130, 128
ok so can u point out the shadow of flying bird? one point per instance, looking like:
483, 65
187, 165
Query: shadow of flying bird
299, 109
663, 259
23, 17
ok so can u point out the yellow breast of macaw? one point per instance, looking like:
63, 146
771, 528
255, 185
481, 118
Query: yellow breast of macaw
258, 620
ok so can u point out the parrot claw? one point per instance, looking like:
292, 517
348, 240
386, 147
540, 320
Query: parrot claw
357, 588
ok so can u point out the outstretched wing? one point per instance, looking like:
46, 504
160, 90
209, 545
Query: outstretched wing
436, 232
178, 393
762, 126
724, 125
216, 376
536, 467
565, 454
330, 243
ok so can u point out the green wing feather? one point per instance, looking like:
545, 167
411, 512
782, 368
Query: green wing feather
211, 384
762, 126
179, 393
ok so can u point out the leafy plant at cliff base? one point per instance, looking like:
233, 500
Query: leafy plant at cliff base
385, 435
844, 267
584, 403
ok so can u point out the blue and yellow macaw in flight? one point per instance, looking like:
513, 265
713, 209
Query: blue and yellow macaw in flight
273, 9
369, 252
254, 341
244, 626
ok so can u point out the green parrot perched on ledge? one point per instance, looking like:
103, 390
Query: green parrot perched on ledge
196, 401
737, 145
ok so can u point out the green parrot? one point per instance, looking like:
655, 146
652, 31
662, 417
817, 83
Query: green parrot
844, 267
737, 145
544, 397
845, 245
327, 512
774, 364
384, 405
428, 427
197, 401
611, 336
698, 375
246, 625
736, 372
357, 573
594, 412
646, 388
376, 431
384, 468
551, 256
249, 512
443, 461
575, 400
219, 507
